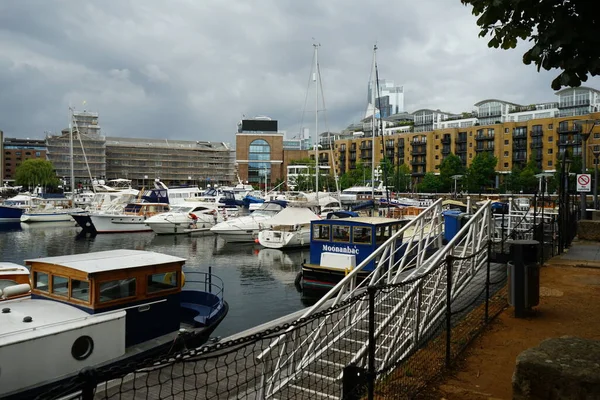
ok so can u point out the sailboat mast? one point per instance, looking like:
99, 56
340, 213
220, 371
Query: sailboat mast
71, 155
373, 96
316, 46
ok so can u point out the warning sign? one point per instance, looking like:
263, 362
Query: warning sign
584, 182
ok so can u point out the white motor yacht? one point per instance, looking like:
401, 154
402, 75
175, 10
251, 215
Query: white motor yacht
289, 228
183, 218
245, 229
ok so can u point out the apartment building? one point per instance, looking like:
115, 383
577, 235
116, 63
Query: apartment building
513, 133
15, 151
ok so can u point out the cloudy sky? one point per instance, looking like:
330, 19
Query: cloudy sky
189, 69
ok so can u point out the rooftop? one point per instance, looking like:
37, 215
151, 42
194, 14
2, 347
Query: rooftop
110, 260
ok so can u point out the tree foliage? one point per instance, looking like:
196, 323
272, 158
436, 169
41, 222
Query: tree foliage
402, 178
564, 34
34, 172
481, 172
431, 183
450, 166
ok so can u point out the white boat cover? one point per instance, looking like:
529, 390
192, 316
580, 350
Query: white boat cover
290, 216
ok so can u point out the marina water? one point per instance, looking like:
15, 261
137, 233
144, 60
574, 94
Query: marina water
259, 283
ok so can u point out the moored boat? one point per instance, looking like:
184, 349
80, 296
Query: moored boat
102, 310
290, 228
14, 281
181, 218
245, 229
339, 245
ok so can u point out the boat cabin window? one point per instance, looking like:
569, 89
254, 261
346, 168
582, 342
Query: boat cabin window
40, 280
60, 285
341, 233
382, 233
361, 235
163, 281
117, 289
80, 290
321, 232
4, 283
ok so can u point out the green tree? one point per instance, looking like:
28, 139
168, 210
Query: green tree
528, 181
431, 183
481, 172
512, 181
35, 172
387, 171
402, 178
564, 34
450, 166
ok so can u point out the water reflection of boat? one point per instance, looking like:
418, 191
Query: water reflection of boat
280, 265
10, 226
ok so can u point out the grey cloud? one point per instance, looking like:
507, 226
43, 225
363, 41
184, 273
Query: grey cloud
190, 69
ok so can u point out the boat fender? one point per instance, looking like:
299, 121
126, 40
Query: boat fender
169, 277
15, 290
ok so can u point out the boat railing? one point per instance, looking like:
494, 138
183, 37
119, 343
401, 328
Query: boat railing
209, 283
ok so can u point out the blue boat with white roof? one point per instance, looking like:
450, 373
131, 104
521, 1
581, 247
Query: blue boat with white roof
101, 310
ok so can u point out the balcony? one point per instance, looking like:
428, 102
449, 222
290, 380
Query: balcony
519, 134
569, 142
418, 162
573, 104
446, 140
418, 151
519, 157
446, 150
461, 139
565, 127
365, 145
536, 145
536, 133
484, 137
389, 145
484, 148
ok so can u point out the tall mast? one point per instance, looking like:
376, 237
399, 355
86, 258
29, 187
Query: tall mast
373, 96
316, 46
71, 155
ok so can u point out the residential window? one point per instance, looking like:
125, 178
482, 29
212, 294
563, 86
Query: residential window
506, 141
117, 289
37, 154
505, 130
505, 165
550, 151
437, 157
470, 155
596, 135
550, 163
437, 137
506, 154
437, 147
550, 126
162, 281
470, 144
550, 138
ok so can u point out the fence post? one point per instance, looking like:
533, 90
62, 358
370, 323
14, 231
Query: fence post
88, 376
372, 290
487, 281
448, 308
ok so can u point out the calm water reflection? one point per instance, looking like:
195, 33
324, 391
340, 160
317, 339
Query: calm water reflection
259, 283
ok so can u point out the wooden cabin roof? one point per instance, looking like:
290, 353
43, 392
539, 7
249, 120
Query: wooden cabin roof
108, 260
8, 268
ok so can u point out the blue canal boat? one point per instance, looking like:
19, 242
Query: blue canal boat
339, 245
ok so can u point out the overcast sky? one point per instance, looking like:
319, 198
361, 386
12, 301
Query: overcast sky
189, 69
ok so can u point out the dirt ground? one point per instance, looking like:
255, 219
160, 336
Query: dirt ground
569, 305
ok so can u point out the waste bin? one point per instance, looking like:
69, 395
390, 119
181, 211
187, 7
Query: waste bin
524, 255
451, 223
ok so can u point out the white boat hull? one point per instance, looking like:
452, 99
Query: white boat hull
114, 223
47, 217
237, 236
280, 240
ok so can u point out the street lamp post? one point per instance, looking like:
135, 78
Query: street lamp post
596, 152
585, 134
456, 178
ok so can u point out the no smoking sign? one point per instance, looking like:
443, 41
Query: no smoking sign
584, 182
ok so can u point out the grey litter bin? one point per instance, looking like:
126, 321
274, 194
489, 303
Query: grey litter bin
524, 254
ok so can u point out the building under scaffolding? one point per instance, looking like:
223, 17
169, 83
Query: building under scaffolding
88, 144
175, 162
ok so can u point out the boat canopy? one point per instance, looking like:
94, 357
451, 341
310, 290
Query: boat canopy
292, 216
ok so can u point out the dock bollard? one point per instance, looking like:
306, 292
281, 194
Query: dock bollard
523, 276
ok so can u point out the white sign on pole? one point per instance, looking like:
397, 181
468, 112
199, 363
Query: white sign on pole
584, 182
